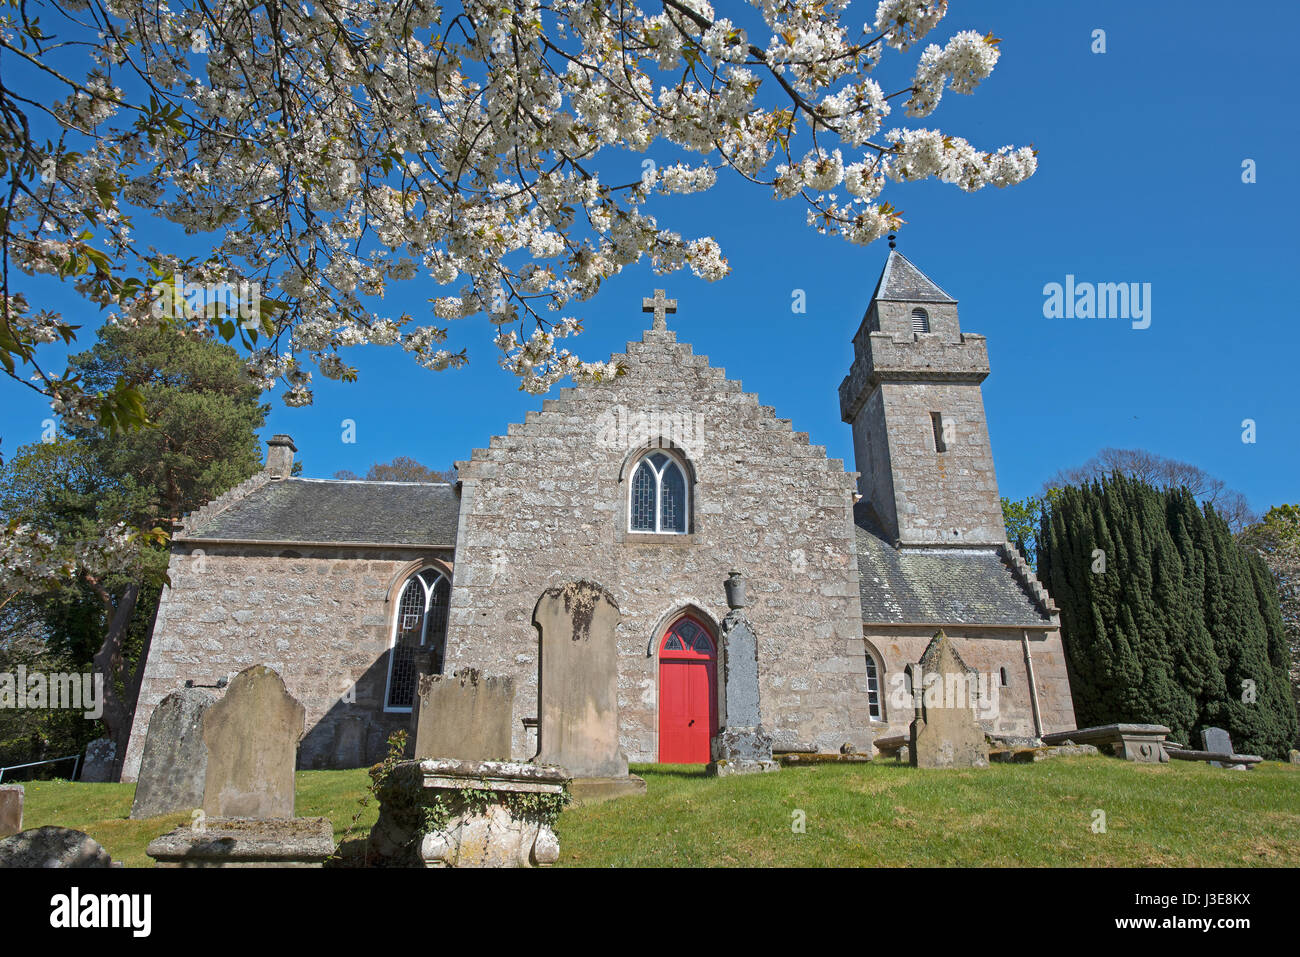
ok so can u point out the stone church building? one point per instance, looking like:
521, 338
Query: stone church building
656, 485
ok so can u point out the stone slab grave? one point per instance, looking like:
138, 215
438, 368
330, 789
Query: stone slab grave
466, 716
53, 847
251, 736
945, 732
174, 767
892, 746
578, 692
1217, 744
741, 746
1144, 743
447, 813
1031, 755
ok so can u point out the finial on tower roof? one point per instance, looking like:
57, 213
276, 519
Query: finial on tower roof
892, 237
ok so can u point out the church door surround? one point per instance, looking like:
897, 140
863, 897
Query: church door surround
688, 711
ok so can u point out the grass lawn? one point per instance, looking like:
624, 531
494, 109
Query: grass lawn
879, 814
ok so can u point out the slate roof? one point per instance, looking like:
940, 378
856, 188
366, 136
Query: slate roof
939, 586
334, 511
900, 281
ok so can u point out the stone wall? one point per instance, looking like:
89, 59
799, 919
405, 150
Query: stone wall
320, 616
950, 496
547, 504
988, 651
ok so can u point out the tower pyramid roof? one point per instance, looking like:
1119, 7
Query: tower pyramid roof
900, 281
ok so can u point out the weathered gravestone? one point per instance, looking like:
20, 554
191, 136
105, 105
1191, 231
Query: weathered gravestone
578, 690
441, 812
97, 765
11, 809
741, 746
466, 716
251, 736
1295, 756
52, 847
174, 767
1217, 741
945, 732
462, 802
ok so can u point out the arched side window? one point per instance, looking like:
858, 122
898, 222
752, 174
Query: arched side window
419, 636
874, 707
658, 496
920, 320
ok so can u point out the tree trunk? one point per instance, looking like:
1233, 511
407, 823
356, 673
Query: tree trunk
108, 662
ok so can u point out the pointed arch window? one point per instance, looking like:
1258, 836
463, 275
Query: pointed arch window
874, 708
659, 496
920, 320
419, 636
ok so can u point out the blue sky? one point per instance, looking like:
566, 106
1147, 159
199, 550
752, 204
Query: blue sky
1140, 162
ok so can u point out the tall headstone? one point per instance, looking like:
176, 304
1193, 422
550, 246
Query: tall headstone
252, 737
175, 762
11, 809
1217, 741
466, 716
578, 690
945, 732
741, 746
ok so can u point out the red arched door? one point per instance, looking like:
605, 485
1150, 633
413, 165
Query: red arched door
688, 710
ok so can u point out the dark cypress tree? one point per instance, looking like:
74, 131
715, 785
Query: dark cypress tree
1182, 626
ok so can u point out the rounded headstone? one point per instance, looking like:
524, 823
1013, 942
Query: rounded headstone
97, 765
175, 762
53, 847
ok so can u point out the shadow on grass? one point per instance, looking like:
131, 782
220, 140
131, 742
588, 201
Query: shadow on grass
670, 770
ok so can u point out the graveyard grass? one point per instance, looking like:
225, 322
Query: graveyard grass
878, 814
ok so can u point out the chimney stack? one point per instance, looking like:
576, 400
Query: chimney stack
279, 456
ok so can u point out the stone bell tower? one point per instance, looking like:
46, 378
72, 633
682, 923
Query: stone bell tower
919, 433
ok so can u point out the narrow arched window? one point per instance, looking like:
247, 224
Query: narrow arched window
1002, 675
873, 688
920, 320
659, 496
419, 636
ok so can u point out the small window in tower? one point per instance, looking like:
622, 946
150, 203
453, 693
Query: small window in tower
920, 320
1002, 673
940, 439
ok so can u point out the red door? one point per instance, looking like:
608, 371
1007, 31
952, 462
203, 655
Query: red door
687, 699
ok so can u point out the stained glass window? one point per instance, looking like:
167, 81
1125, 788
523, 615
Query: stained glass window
686, 635
643, 498
420, 627
658, 497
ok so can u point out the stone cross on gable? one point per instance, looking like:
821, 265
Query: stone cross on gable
660, 307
